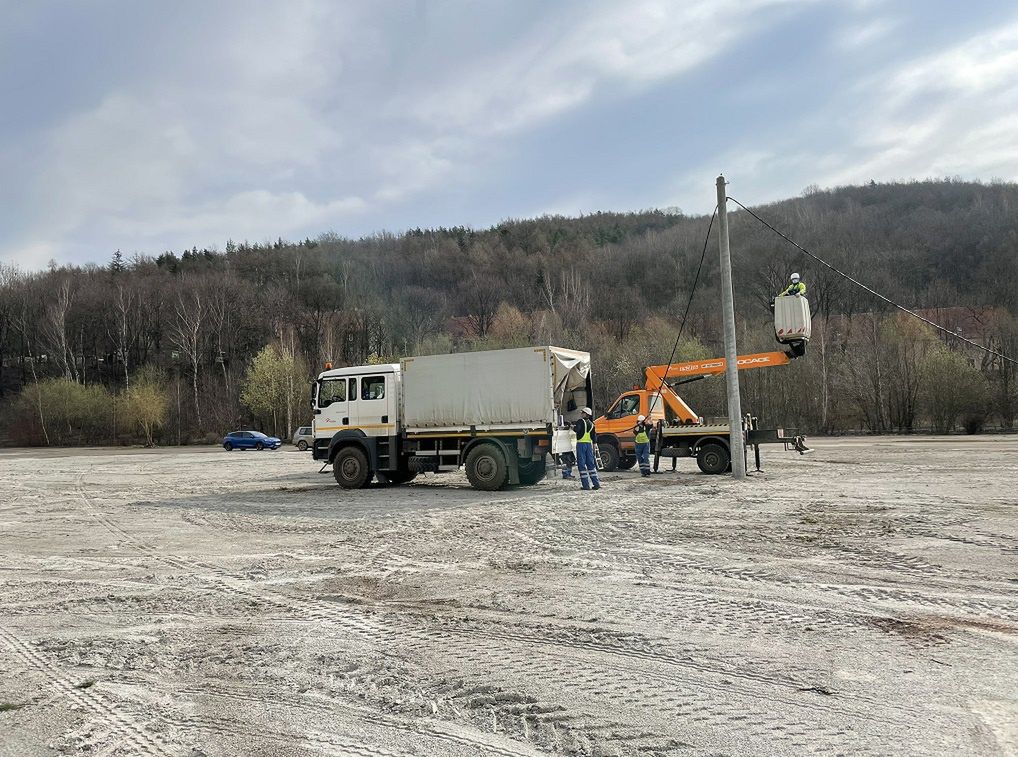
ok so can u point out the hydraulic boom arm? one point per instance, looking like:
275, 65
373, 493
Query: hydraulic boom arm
658, 376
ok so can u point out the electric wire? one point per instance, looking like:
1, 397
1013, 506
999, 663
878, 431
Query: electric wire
875, 293
689, 303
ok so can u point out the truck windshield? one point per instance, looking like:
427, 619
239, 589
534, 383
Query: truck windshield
331, 390
627, 405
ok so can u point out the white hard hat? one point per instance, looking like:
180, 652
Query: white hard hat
640, 417
587, 411
794, 277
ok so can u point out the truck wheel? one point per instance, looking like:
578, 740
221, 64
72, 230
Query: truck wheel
486, 467
532, 471
609, 456
395, 478
350, 467
713, 459
626, 463
302, 445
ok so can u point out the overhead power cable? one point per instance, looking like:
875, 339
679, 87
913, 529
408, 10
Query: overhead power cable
875, 293
689, 302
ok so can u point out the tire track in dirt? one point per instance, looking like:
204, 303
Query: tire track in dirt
303, 703
736, 676
642, 563
124, 724
227, 728
668, 701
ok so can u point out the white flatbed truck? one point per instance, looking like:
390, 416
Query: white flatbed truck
494, 413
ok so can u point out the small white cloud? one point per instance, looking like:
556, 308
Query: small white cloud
853, 38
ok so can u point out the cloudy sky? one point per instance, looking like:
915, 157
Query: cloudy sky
148, 126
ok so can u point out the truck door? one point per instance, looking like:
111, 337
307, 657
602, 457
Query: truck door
621, 419
332, 411
628, 405
374, 409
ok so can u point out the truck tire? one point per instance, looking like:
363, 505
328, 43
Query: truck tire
532, 471
351, 469
626, 463
486, 467
713, 458
395, 478
609, 456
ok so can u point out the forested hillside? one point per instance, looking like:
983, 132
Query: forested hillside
180, 347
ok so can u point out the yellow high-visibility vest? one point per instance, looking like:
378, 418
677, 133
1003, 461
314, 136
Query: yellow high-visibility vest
642, 437
587, 428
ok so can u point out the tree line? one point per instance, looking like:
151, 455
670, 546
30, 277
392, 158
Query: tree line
181, 347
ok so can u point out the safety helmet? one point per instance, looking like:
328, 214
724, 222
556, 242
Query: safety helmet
587, 411
795, 278
640, 418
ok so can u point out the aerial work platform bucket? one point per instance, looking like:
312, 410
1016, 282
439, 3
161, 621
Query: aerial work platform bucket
792, 320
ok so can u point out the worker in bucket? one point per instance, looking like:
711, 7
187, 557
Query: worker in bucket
586, 438
796, 288
641, 433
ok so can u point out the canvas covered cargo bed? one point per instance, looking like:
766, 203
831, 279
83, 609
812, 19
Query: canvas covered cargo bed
528, 387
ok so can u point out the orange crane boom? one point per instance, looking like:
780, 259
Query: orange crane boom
657, 376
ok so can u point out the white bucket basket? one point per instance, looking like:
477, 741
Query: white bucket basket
792, 319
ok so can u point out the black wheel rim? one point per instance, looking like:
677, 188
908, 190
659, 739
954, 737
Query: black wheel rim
350, 469
712, 460
486, 468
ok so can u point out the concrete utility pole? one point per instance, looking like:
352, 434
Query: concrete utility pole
735, 437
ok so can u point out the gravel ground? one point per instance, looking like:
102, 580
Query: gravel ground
862, 600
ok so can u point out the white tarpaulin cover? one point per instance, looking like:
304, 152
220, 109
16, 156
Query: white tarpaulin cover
529, 386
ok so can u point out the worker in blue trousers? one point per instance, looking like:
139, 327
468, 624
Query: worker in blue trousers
586, 438
641, 434
568, 460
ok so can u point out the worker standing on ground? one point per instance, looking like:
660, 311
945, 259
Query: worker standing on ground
642, 436
568, 460
586, 438
796, 288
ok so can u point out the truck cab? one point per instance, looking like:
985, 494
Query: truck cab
358, 408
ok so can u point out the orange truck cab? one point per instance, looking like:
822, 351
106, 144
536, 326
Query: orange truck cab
657, 401
615, 434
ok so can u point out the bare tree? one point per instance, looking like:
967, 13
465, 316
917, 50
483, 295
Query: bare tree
187, 334
123, 301
55, 328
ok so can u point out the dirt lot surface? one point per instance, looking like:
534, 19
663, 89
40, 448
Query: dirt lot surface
863, 600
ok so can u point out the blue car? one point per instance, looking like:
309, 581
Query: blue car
250, 440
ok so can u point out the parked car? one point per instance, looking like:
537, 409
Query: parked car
303, 437
250, 440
